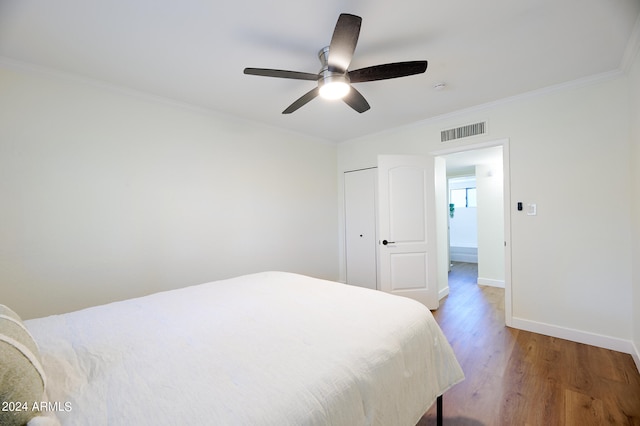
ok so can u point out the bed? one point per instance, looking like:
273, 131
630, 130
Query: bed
271, 348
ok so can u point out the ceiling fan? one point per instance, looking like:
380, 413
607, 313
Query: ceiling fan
334, 79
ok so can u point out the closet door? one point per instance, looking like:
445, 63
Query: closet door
360, 227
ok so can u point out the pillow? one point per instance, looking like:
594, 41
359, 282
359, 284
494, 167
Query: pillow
43, 421
22, 379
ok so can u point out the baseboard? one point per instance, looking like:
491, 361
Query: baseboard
443, 293
491, 282
466, 258
593, 339
463, 254
636, 356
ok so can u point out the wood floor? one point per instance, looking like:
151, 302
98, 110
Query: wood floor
520, 378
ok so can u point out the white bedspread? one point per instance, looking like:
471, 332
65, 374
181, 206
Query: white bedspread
265, 349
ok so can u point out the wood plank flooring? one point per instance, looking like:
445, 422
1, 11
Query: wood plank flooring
520, 378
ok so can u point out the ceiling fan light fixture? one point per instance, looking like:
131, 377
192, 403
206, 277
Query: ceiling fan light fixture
334, 86
335, 90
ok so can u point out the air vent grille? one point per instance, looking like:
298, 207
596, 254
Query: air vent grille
463, 131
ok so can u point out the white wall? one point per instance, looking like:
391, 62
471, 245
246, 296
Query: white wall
569, 151
490, 224
106, 195
634, 79
463, 226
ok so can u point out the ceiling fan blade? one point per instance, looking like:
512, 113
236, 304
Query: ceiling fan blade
302, 100
387, 71
296, 75
356, 101
343, 42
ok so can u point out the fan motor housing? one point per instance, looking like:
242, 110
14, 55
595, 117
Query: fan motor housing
332, 84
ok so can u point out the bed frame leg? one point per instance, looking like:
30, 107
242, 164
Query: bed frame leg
439, 410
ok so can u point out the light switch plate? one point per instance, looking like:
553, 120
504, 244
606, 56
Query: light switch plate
532, 209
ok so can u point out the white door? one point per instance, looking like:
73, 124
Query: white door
360, 227
407, 227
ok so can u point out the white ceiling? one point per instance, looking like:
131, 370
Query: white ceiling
194, 51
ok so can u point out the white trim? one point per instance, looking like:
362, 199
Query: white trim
593, 339
635, 354
466, 258
491, 282
506, 164
463, 254
632, 48
74, 78
443, 293
470, 147
572, 84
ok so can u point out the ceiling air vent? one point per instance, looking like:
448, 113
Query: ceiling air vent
463, 131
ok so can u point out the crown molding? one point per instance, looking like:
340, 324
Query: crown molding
632, 48
73, 78
569, 85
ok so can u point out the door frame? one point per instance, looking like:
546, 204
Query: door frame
504, 143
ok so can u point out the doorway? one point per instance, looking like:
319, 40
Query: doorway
399, 255
463, 226
463, 214
486, 166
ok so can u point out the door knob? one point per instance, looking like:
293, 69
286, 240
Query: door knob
385, 242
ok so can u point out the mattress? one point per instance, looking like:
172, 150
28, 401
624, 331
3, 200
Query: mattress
272, 348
